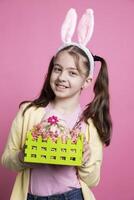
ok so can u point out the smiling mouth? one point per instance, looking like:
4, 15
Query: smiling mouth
61, 86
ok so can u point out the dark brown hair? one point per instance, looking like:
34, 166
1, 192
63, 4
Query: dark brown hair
98, 109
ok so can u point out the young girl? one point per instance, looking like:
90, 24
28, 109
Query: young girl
70, 71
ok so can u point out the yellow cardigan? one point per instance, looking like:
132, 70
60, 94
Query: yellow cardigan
88, 175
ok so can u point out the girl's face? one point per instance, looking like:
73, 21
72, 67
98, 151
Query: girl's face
66, 81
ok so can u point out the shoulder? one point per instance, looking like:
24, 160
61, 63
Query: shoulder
23, 106
31, 112
33, 115
30, 109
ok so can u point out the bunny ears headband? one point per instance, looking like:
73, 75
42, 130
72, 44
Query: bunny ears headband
84, 31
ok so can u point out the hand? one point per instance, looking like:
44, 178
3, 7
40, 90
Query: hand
21, 154
86, 152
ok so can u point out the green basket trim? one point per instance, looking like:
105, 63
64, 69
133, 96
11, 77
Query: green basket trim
39, 151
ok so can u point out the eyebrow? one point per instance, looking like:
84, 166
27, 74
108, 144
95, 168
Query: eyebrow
67, 67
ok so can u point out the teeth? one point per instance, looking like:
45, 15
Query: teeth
61, 86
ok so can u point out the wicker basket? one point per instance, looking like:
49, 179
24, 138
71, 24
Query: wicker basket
39, 151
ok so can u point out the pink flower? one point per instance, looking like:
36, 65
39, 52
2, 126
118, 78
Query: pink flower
53, 120
53, 128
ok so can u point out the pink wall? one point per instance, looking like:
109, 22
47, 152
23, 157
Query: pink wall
29, 36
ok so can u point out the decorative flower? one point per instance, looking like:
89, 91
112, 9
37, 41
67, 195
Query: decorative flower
55, 128
53, 120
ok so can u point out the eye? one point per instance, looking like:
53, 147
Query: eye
73, 73
56, 69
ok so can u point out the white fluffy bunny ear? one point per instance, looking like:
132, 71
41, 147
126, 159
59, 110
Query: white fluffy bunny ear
85, 27
68, 26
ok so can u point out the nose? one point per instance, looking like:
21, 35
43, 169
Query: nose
62, 76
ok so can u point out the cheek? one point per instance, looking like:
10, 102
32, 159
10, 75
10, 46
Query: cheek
78, 83
52, 77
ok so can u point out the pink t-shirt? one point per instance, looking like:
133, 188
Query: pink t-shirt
47, 179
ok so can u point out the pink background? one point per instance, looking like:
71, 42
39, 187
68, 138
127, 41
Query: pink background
30, 35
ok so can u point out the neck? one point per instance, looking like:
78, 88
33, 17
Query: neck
65, 106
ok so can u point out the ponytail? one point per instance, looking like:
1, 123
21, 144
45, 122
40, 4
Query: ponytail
98, 109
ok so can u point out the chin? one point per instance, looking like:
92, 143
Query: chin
61, 96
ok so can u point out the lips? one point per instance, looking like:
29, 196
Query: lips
61, 86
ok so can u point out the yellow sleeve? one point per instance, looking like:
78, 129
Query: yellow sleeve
90, 173
10, 158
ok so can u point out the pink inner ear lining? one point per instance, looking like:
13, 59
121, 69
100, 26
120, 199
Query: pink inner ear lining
85, 27
83, 31
68, 26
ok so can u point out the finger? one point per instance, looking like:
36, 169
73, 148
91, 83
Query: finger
85, 160
86, 156
84, 141
84, 138
86, 147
